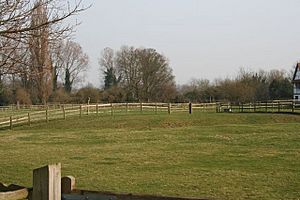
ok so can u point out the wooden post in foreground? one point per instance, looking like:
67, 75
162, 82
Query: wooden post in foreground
169, 108
47, 183
190, 108
67, 184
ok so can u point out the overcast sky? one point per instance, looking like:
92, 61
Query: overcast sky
202, 38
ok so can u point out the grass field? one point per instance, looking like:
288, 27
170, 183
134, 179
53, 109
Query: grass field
222, 156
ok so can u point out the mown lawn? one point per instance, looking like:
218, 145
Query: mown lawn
222, 156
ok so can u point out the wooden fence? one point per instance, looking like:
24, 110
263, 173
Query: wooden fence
277, 106
14, 116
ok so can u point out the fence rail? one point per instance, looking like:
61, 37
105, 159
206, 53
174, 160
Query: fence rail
14, 115
279, 106
26, 115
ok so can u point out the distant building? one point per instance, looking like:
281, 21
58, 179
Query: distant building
296, 82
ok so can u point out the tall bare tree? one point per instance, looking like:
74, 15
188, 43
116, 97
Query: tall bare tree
108, 68
16, 26
41, 66
156, 75
74, 63
145, 74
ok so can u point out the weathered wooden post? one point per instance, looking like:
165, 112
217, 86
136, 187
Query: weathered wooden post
169, 108
88, 106
112, 109
155, 108
64, 112
97, 108
80, 110
47, 120
190, 108
29, 120
67, 184
278, 106
266, 106
293, 106
141, 107
10, 122
47, 183
126, 107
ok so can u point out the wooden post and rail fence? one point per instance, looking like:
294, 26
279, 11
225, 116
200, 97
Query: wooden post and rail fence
47, 113
10, 117
49, 185
276, 106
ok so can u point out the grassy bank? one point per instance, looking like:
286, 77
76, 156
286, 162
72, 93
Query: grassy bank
225, 156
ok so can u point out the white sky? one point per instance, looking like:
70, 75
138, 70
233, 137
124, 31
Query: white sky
202, 38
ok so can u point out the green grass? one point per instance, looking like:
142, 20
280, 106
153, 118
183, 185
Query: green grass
223, 156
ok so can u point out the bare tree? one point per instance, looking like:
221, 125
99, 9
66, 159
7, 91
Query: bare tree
156, 75
16, 27
108, 68
40, 66
74, 63
15, 15
145, 74
129, 68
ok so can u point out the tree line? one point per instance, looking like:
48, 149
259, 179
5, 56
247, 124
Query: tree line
39, 63
132, 74
246, 86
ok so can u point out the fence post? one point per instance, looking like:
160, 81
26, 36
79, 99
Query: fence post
47, 120
141, 107
97, 108
64, 112
112, 109
87, 109
169, 108
47, 183
266, 106
10, 123
29, 123
155, 108
80, 110
278, 106
254, 107
242, 107
293, 106
126, 107
190, 108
